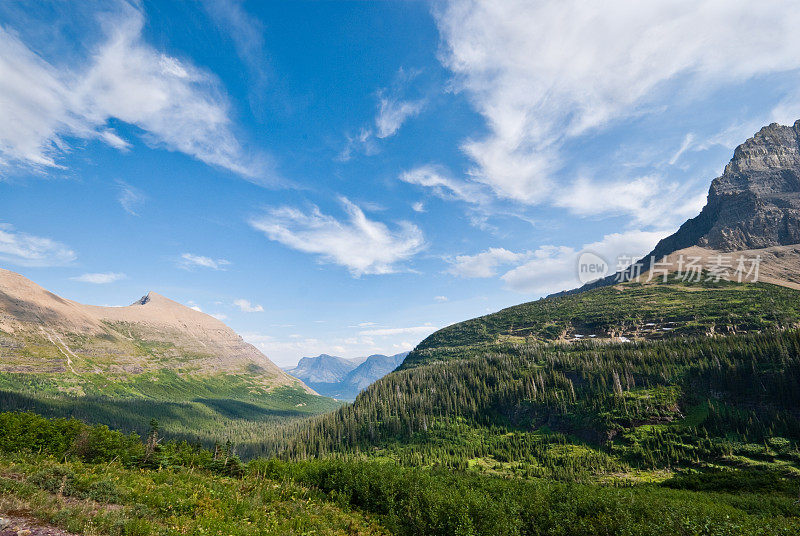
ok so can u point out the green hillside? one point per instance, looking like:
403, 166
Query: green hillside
193, 416
204, 407
632, 310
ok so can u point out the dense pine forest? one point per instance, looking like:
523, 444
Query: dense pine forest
702, 380
577, 409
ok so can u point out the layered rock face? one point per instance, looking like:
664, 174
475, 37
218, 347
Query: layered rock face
753, 207
755, 203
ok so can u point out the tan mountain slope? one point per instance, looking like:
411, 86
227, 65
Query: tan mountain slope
41, 332
778, 265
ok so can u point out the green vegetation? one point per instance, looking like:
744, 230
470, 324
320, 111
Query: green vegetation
633, 310
122, 379
191, 415
508, 424
88, 479
578, 411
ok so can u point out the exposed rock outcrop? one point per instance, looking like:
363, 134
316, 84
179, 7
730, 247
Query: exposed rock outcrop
754, 205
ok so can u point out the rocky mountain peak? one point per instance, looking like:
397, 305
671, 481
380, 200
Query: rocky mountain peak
773, 147
755, 203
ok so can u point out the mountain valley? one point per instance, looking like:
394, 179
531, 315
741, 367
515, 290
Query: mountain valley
125, 365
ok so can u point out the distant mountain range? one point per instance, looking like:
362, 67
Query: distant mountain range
342, 378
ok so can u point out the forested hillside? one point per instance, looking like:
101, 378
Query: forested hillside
679, 396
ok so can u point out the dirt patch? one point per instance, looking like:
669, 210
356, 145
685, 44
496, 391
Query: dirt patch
26, 526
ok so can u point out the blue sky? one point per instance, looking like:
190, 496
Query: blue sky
346, 177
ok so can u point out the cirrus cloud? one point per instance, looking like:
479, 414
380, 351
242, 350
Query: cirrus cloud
24, 249
190, 260
545, 73
484, 264
246, 307
442, 184
361, 245
393, 112
385, 332
176, 105
100, 278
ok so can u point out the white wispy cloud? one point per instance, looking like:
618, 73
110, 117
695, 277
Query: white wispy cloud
588, 198
24, 249
440, 298
362, 245
688, 140
392, 113
246, 307
190, 260
484, 264
363, 142
393, 110
129, 197
555, 268
384, 332
177, 105
442, 184
247, 34
100, 278
544, 73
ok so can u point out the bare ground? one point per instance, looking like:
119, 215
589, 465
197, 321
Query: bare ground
27, 526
